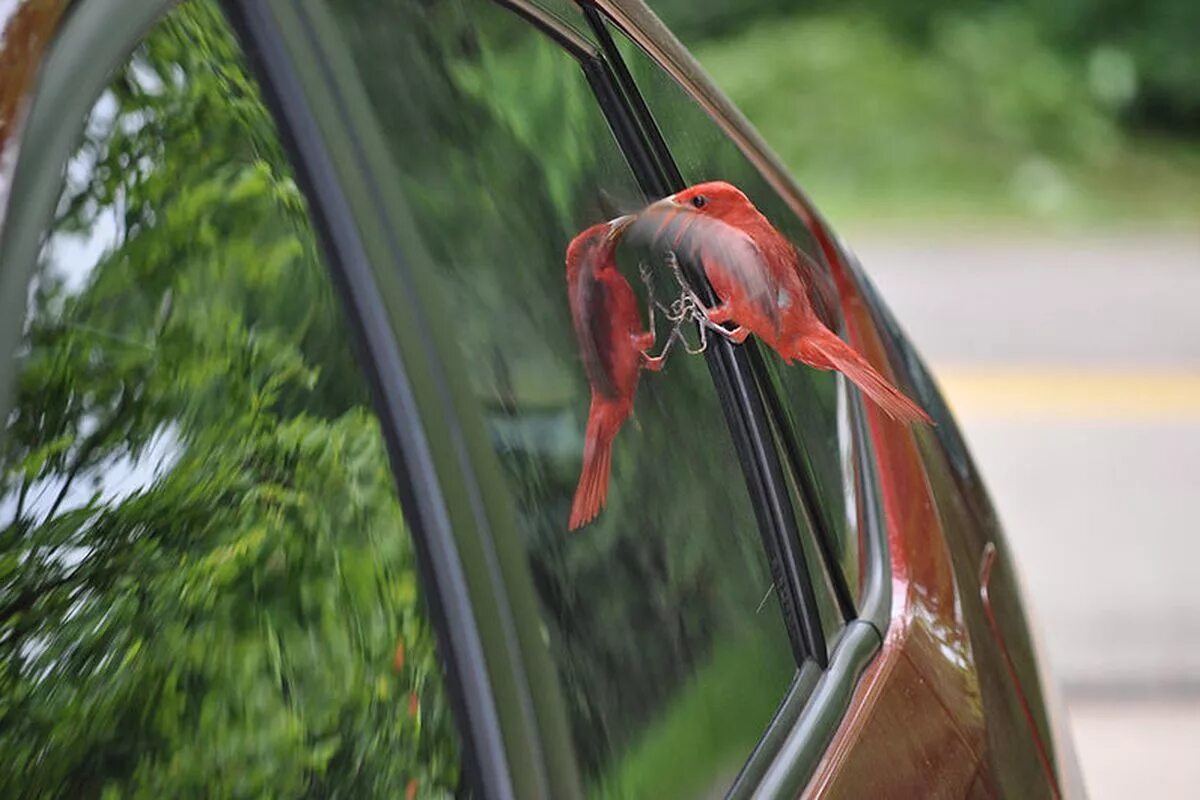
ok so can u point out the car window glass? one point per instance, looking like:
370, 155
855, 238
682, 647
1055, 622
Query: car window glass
671, 651
207, 587
817, 401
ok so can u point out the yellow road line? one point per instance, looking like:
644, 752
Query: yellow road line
1051, 392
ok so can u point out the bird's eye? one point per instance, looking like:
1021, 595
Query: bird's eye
699, 201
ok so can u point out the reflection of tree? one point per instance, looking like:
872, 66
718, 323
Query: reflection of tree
205, 580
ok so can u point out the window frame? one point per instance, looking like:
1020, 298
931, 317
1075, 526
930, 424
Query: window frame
737, 387
293, 49
785, 771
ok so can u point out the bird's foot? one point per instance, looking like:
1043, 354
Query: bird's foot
737, 335
672, 262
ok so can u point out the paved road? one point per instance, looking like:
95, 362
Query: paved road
1074, 366
1125, 301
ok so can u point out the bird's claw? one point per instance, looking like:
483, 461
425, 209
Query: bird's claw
687, 307
645, 273
683, 310
672, 261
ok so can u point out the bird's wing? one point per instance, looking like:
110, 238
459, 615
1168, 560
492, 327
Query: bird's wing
728, 255
818, 285
591, 315
725, 248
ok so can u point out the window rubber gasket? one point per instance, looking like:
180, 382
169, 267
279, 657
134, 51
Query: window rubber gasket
806, 485
737, 384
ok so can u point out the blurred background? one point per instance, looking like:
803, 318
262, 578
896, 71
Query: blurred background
1022, 181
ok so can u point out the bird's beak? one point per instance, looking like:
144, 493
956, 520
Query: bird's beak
668, 203
619, 224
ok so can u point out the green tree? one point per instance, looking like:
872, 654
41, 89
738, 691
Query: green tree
206, 582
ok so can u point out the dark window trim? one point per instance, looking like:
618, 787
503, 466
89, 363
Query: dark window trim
738, 386
797, 737
600, 77
637, 104
810, 498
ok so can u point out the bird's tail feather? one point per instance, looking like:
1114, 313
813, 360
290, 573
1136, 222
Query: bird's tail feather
850, 363
592, 492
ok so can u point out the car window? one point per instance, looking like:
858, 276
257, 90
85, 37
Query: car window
816, 403
669, 645
207, 586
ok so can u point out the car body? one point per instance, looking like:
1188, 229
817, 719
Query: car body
438, 149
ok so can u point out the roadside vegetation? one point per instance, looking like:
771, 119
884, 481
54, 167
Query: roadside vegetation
983, 117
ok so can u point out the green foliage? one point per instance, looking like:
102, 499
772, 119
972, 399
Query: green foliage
1155, 42
977, 117
206, 584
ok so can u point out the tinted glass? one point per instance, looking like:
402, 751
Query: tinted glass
672, 655
206, 583
815, 401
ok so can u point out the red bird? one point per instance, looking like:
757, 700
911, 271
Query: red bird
604, 311
762, 284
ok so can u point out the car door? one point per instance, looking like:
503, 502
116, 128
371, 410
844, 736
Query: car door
703, 636
452, 117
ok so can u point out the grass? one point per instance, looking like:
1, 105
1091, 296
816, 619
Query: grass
982, 124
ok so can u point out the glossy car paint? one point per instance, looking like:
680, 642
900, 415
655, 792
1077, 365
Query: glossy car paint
917, 725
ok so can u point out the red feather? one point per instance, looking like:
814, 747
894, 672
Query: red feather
612, 343
765, 285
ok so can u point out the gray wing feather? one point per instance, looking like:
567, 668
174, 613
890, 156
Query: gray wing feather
719, 247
